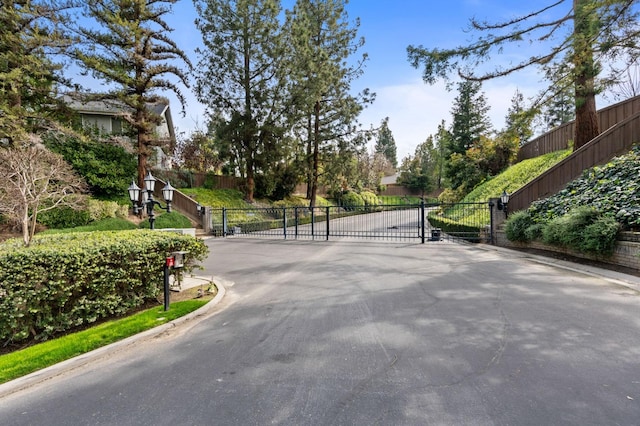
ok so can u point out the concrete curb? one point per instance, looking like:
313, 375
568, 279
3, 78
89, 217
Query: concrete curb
39, 376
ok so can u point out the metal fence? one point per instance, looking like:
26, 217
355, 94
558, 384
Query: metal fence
410, 222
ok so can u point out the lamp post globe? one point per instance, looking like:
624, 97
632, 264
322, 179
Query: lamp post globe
134, 192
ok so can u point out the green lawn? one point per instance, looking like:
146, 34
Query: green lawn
33, 358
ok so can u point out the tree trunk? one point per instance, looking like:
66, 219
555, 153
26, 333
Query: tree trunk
585, 24
308, 159
251, 183
316, 155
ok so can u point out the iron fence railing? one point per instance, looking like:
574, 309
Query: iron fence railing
420, 222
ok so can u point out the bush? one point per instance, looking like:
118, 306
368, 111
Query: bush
516, 226
600, 237
64, 217
99, 210
370, 199
583, 229
351, 199
64, 281
106, 168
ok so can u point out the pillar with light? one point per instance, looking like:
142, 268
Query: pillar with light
147, 200
503, 203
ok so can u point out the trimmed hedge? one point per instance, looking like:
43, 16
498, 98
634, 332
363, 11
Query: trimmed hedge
450, 226
64, 281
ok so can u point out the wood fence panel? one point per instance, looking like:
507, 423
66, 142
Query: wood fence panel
616, 141
558, 138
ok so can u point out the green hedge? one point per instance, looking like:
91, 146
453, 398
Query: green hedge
64, 281
449, 226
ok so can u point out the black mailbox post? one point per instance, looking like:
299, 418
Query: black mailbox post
175, 261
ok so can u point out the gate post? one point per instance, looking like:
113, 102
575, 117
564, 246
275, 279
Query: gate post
491, 221
224, 221
284, 221
422, 220
295, 214
327, 223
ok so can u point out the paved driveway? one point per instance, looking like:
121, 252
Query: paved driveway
338, 333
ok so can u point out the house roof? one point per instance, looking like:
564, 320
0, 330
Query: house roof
112, 107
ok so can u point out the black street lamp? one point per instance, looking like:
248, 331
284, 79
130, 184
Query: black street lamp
503, 203
147, 197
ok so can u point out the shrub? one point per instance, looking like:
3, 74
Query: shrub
583, 229
517, 225
370, 199
352, 199
99, 210
600, 237
107, 168
67, 280
534, 232
64, 217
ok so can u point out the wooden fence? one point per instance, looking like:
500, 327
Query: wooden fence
188, 179
558, 138
615, 141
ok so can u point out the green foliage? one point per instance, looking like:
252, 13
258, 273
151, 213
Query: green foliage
582, 229
36, 357
517, 225
454, 227
352, 199
611, 189
370, 199
64, 217
99, 209
169, 220
600, 237
108, 224
218, 198
106, 168
514, 177
66, 280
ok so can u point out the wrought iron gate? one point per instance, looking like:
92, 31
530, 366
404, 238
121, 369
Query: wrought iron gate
418, 222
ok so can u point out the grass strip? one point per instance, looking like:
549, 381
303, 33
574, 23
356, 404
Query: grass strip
22, 362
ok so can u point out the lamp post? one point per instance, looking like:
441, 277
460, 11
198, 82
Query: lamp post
147, 197
503, 203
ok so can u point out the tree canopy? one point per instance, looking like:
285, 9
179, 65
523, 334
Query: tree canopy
602, 30
129, 48
30, 31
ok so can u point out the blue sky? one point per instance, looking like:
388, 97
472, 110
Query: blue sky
414, 108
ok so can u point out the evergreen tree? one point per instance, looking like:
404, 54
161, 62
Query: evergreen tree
518, 121
603, 30
470, 117
128, 47
322, 40
241, 79
30, 31
470, 123
417, 171
385, 143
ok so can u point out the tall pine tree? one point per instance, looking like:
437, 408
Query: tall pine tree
30, 31
128, 46
241, 79
323, 42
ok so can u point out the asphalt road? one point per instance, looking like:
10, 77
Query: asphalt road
362, 333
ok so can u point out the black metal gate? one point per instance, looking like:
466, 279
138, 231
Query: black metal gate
418, 222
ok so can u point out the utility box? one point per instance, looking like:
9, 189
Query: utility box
436, 234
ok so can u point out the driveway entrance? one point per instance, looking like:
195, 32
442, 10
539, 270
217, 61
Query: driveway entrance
409, 222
